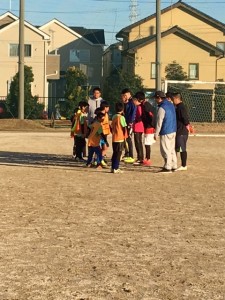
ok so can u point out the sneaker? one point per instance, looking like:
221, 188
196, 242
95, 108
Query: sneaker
147, 162
166, 171
103, 164
117, 171
128, 160
88, 165
99, 167
138, 163
181, 169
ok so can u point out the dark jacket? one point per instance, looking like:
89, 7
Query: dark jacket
148, 112
129, 111
182, 119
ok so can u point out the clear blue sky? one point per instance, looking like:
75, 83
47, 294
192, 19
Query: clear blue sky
103, 14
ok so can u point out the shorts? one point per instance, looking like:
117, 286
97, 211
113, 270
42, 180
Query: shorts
181, 143
102, 143
149, 139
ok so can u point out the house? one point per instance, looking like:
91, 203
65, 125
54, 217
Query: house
50, 49
36, 43
77, 46
193, 39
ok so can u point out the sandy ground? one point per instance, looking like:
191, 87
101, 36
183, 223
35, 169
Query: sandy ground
68, 232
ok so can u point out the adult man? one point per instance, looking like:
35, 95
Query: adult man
129, 113
94, 102
182, 130
166, 128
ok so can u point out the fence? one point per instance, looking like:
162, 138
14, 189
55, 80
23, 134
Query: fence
205, 101
52, 104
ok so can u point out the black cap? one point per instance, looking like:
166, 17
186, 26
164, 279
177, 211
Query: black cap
159, 94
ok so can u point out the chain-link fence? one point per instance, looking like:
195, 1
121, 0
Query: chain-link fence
204, 105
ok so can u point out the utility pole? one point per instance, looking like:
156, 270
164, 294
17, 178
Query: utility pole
158, 45
21, 62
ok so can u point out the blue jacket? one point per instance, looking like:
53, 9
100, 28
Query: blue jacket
169, 124
130, 111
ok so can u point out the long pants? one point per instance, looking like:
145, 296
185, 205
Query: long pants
97, 150
129, 147
167, 149
139, 145
117, 152
80, 144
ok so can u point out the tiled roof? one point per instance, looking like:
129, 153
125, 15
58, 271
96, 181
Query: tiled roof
96, 36
214, 51
184, 7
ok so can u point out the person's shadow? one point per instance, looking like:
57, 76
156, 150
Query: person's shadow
40, 160
36, 159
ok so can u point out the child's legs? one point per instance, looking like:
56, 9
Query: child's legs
98, 152
103, 147
74, 145
148, 141
84, 149
117, 152
90, 154
139, 145
147, 152
80, 142
181, 146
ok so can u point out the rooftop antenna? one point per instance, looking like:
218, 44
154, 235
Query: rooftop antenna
133, 11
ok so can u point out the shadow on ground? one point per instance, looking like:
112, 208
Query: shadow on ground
52, 160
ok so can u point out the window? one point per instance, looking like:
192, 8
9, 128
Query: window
193, 71
221, 45
82, 56
153, 70
14, 50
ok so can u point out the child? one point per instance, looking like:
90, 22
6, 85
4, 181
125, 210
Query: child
149, 128
138, 128
183, 125
73, 119
80, 130
119, 134
94, 137
104, 108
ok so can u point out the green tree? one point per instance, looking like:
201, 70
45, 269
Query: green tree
174, 71
32, 109
219, 103
76, 90
117, 81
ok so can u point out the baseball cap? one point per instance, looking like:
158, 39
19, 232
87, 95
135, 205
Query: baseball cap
159, 94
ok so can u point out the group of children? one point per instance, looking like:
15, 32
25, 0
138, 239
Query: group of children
100, 127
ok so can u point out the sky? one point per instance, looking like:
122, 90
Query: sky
110, 15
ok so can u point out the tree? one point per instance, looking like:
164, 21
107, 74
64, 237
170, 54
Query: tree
32, 108
76, 90
174, 71
117, 81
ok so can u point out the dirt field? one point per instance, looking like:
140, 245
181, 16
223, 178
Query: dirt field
68, 232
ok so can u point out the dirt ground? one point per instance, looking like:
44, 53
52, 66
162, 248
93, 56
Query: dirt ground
67, 232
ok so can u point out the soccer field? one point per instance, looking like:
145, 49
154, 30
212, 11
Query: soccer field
68, 232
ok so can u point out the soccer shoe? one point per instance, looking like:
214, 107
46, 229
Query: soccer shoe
99, 167
138, 163
116, 171
103, 163
181, 169
147, 163
129, 160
